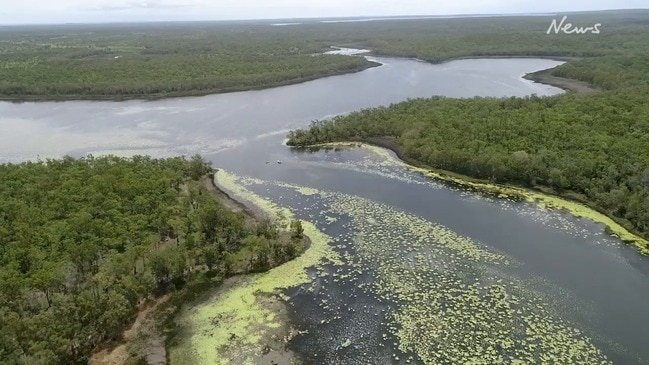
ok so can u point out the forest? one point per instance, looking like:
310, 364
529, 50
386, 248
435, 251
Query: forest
591, 148
84, 241
156, 60
177, 59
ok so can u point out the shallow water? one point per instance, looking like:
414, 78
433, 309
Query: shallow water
577, 289
583, 279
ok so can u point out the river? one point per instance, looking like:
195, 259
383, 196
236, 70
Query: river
431, 273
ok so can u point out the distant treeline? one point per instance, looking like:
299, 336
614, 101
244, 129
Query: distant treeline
150, 61
157, 60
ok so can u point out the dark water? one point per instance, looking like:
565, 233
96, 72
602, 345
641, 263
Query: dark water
591, 281
587, 279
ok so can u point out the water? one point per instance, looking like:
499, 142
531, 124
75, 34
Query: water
212, 123
568, 272
586, 279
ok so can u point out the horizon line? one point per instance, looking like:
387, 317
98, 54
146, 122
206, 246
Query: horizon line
330, 19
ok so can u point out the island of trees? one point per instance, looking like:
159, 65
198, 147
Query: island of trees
84, 241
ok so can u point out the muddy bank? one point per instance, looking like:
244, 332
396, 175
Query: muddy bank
230, 203
576, 86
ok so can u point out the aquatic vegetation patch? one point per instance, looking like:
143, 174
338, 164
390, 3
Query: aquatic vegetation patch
438, 297
542, 200
451, 309
232, 326
449, 302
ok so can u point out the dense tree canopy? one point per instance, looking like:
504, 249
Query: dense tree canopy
591, 148
148, 61
82, 242
171, 59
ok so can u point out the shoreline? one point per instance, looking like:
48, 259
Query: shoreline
545, 77
540, 76
230, 202
545, 199
460, 58
182, 94
153, 334
251, 310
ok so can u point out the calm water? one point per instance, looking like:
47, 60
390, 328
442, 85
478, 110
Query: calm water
586, 279
212, 123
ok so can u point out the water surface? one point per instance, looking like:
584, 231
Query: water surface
212, 123
570, 275
581, 277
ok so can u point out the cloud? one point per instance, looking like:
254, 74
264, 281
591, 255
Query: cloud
144, 4
52, 11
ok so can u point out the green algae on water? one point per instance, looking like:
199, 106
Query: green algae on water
451, 303
504, 191
231, 326
450, 307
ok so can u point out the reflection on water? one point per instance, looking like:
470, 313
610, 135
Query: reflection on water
212, 123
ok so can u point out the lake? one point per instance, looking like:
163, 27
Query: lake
212, 123
431, 273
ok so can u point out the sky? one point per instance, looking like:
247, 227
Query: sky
93, 11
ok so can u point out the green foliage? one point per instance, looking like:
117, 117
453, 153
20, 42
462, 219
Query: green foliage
589, 147
156, 60
297, 231
84, 241
437, 40
267, 229
592, 148
104, 61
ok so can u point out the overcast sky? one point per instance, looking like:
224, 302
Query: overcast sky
63, 11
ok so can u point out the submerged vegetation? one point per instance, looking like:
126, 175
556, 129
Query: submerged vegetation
451, 299
84, 241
